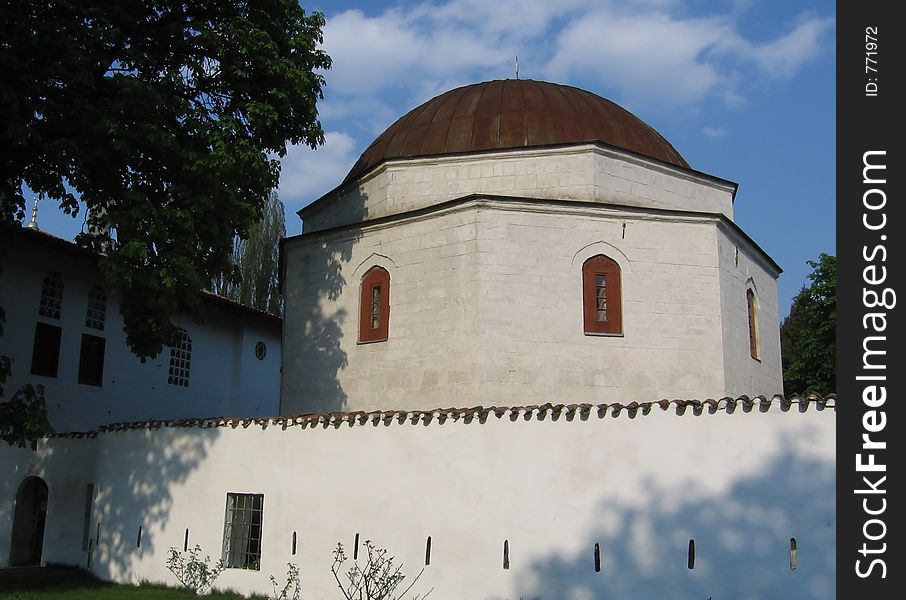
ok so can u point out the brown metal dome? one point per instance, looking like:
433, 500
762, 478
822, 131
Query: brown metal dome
513, 113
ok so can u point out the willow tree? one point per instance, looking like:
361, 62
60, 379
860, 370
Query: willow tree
255, 259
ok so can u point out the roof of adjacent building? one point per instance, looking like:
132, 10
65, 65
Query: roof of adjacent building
509, 114
64, 246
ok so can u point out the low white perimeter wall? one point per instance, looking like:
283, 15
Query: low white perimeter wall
741, 485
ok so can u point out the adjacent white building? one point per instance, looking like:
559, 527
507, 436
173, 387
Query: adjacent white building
64, 331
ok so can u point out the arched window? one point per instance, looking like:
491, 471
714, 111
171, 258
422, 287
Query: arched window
752, 307
374, 306
602, 296
180, 360
97, 308
51, 296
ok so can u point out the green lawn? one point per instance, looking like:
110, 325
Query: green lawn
77, 585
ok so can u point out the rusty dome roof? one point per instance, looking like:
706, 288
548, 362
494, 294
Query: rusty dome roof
513, 113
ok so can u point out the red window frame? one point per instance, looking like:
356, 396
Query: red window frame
375, 277
594, 267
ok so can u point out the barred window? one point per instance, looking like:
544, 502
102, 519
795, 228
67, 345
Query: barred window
180, 360
97, 308
51, 296
242, 531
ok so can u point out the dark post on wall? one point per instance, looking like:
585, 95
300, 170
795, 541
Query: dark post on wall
871, 221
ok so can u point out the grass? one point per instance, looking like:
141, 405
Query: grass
79, 585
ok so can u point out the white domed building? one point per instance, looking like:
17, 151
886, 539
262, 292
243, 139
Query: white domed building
521, 242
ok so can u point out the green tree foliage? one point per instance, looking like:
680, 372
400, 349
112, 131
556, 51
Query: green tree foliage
165, 119
256, 262
808, 336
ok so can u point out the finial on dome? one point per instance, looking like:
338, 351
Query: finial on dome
517, 66
33, 224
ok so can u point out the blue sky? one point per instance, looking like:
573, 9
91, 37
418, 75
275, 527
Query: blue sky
744, 90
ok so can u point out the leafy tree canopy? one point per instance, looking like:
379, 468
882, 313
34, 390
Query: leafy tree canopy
257, 261
808, 335
164, 118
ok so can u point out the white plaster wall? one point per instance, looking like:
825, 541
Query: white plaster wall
747, 375
486, 308
741, 485
67, 466
429, 358
225, 378
583, 173
531, 336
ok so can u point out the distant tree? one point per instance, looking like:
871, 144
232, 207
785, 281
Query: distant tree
808, 335
165, 119
255, 261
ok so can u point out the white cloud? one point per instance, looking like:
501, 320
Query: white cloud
650, 59
307, 174
714, 132
649, 53
783, 56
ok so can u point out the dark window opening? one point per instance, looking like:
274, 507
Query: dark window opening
45, 356
91, 360
753, 323
242, 531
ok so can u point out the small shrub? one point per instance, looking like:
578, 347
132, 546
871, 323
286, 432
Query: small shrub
192, 572
377, 579
293, 586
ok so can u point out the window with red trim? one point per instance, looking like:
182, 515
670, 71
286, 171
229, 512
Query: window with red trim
602, 296
374, 306
753, 323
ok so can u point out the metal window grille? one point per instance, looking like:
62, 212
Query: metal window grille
97, 308
375, 307
51, 296
242, 531
600, 298
180, 360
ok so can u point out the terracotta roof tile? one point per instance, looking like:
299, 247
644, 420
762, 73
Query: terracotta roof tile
481, 413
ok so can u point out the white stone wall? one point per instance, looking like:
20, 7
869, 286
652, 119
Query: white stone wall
531, 334
583, 173
742, 268
225, 376
486, 308
740, 483
430, 356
